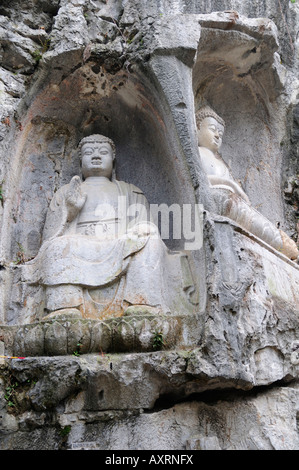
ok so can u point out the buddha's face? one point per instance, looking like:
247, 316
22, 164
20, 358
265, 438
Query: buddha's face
210, 134
97, 159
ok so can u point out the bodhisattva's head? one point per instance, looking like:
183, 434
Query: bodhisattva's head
210, 129
97, 156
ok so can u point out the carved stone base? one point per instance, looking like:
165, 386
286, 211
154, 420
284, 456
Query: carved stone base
66, 335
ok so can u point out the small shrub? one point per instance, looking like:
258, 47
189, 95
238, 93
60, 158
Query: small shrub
158, 341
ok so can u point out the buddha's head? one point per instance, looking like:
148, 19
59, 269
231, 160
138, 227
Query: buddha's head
210, 129
97, 155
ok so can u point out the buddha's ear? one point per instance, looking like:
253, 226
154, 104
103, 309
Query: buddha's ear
80, 165
79, 156
113, 177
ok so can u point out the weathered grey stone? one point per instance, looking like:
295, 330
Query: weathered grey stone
56, 339
101, 337
138, 71
34, 341
124, 334
203, 443
78, 338
196, 424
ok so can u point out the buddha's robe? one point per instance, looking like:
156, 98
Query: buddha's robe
101, 245
92, 252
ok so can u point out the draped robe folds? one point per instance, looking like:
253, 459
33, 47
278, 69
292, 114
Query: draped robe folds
67, 257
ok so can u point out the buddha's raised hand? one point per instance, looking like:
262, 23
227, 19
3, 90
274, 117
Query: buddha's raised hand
75, 199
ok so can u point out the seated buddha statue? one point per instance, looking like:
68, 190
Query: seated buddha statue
101, 254
231, 200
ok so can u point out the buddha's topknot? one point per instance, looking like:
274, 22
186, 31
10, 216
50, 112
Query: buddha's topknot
205, 112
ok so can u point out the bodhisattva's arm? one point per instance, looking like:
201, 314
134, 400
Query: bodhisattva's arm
219, 180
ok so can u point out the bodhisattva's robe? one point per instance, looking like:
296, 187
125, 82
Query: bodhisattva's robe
233, 203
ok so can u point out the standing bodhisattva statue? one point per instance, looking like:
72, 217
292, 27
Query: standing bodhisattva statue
101, 255
230, 198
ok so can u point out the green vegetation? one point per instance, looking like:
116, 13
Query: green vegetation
78, 350
10, 392
21, 256
37, 54
65, 431
158, 341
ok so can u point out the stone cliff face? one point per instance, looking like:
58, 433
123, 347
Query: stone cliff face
225, 377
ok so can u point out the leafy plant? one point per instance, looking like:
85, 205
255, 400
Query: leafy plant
78, 350
10, 393
158, 340
65, 431
37, 54
21, 256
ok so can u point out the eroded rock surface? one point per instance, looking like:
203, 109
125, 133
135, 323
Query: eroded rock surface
226, 375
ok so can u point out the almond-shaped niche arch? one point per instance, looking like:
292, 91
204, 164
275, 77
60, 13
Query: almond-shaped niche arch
235, 74
123, 106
